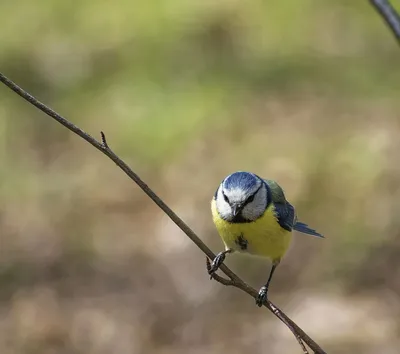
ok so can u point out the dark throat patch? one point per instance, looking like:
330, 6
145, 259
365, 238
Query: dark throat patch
242, 242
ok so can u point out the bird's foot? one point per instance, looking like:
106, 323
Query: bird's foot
216, 263
262, 296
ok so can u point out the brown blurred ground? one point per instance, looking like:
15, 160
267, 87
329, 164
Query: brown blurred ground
187, 93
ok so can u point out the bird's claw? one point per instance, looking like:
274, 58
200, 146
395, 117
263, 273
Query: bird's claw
262, 296
216, 263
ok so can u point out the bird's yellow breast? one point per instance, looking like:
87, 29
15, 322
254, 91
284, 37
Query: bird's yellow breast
263, 237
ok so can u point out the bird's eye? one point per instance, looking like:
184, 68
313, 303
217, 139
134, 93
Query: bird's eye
250, 199
225, 197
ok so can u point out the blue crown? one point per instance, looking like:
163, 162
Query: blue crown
243, 180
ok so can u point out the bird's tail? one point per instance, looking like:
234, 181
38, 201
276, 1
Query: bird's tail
301, 227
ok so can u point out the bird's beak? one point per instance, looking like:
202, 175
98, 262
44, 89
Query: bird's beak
236, 209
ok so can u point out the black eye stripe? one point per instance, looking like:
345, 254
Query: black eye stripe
251, 198
225, 197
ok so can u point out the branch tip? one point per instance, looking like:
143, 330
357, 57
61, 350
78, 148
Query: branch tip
104, 140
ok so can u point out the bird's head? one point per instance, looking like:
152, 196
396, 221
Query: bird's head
241, 197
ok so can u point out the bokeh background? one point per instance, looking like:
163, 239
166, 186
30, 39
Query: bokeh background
306, 93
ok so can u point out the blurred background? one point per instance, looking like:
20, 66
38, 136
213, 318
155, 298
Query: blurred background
188, 92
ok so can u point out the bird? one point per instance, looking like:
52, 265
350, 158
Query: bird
252, 216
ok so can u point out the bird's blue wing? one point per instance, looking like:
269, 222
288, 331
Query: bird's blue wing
285, 215
285, 212
287, 219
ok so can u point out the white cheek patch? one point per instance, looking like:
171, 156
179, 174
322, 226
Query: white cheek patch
224, 209
256, 208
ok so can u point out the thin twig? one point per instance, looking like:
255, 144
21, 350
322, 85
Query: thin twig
278, 313
389, 15
104, 148
104, 140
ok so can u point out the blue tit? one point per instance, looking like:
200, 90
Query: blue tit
253, 216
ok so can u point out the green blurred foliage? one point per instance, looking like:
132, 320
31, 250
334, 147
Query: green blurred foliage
187, 92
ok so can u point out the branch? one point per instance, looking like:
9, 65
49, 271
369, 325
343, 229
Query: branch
389, 15
233, 280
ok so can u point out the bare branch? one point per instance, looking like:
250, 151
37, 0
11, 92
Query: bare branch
389, 15
278, 313
102, 146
